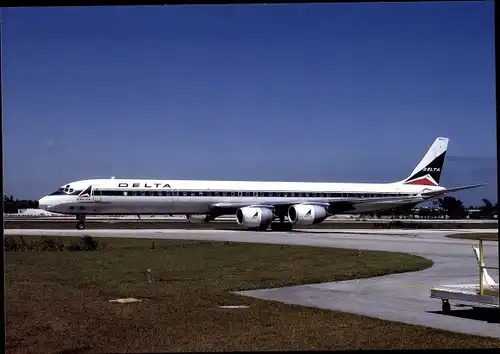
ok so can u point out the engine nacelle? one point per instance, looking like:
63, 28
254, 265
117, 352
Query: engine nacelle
302, 214
254, 218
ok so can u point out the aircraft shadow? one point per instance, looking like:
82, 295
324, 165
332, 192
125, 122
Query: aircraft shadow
489, 315
273, 228
312, 231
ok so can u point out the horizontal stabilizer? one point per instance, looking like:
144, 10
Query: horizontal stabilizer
450, 190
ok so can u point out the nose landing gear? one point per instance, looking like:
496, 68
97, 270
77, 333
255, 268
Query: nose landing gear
80, 225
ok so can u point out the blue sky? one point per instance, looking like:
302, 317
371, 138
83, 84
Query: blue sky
321, 92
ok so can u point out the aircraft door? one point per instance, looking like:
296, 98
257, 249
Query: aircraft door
174, 195
96, 193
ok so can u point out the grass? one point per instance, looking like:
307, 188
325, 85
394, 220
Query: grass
58, 301
485, 236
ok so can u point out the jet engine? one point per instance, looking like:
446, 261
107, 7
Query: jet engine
254, 218
302, 214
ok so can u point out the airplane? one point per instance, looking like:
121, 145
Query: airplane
256, 204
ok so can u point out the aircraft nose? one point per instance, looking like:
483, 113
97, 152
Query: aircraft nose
43, 203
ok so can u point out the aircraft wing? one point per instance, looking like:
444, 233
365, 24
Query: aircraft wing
346, 204
434, 194
334, 204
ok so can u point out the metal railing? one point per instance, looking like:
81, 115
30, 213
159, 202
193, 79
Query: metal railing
482, 267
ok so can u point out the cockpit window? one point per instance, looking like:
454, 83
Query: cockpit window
66, 190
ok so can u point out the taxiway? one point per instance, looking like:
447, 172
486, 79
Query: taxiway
400, 297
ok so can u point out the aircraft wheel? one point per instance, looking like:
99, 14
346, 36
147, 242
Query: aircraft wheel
80, 226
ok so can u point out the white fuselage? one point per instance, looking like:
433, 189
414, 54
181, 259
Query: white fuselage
141, 196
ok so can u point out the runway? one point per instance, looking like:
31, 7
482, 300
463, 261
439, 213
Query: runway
230, 224
401, 297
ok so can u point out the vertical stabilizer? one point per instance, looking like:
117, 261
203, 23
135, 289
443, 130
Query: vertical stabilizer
428, 171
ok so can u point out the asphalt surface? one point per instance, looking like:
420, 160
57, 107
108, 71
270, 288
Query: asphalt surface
401, 297
228, 224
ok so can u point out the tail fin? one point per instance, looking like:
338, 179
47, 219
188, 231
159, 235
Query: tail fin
428, 171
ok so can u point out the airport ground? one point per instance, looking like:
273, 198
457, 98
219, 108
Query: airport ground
182, 312
229, 223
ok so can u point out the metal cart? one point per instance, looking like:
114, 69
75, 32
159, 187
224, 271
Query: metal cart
484, 293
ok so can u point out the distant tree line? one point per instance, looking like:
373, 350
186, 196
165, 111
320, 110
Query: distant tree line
485, 211
444, 207
12, 206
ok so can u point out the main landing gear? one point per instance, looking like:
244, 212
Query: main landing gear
281, 226
80, 225
446, 307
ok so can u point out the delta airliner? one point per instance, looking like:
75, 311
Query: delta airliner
256, 204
